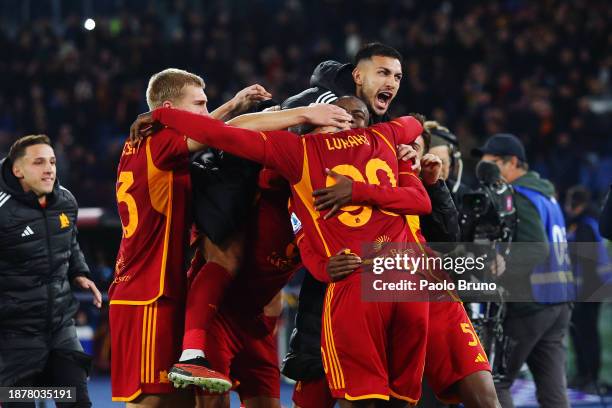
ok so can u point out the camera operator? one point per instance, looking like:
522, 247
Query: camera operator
445, 145
536, 329
39, 259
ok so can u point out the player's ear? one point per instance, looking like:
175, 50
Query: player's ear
17, 171
167, 104
357, 76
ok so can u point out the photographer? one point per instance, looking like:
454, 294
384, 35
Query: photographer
39, 259
536, 329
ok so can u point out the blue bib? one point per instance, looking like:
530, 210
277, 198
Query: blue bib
552, 281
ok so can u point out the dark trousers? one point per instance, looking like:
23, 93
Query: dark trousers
66, 365
585, 336
538, 341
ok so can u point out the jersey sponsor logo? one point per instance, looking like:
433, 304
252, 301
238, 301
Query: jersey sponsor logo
64, 221
282, 263
4, 197
121, 279
27, 232
296, 224
348, 142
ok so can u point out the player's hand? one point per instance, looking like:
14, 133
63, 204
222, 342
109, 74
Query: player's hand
247, 97
335, 196
407, 153
342, 264
142, 127
87, 284
324, 114
431, 168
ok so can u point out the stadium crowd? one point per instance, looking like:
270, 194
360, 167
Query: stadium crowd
515, 66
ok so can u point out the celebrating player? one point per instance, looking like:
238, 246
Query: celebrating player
154, 199
358, 373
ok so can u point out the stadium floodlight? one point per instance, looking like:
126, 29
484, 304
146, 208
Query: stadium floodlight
89, 24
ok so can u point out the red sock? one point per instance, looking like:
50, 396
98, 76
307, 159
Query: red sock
203, 299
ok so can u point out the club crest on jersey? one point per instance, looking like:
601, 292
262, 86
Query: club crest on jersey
379, 243
64, 221
296, 224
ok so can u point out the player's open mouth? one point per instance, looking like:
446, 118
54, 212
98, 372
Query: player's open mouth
383, 98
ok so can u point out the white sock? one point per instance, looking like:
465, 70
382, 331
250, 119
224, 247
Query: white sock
189, 354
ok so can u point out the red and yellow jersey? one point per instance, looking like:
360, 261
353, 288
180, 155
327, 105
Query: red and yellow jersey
154, 201
366, 155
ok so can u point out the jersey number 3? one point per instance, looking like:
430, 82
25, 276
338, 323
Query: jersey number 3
126, 179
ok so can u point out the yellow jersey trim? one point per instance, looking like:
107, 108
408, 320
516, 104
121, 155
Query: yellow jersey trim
303, 188
384, 138
366, 396
128, 399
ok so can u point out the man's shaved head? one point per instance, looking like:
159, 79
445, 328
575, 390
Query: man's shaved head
356, 108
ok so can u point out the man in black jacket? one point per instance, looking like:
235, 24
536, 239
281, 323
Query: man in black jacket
39, 259
374, 78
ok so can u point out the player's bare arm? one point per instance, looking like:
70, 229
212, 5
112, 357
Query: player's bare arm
241, 102
317, 115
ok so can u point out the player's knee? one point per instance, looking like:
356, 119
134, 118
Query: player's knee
229, 256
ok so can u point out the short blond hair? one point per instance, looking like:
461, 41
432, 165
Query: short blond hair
168, 85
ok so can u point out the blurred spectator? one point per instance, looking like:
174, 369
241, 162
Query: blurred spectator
540, 70
592, 268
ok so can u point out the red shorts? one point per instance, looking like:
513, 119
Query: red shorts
145, 343
372, 350
453, 349
246, 352
313, 394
